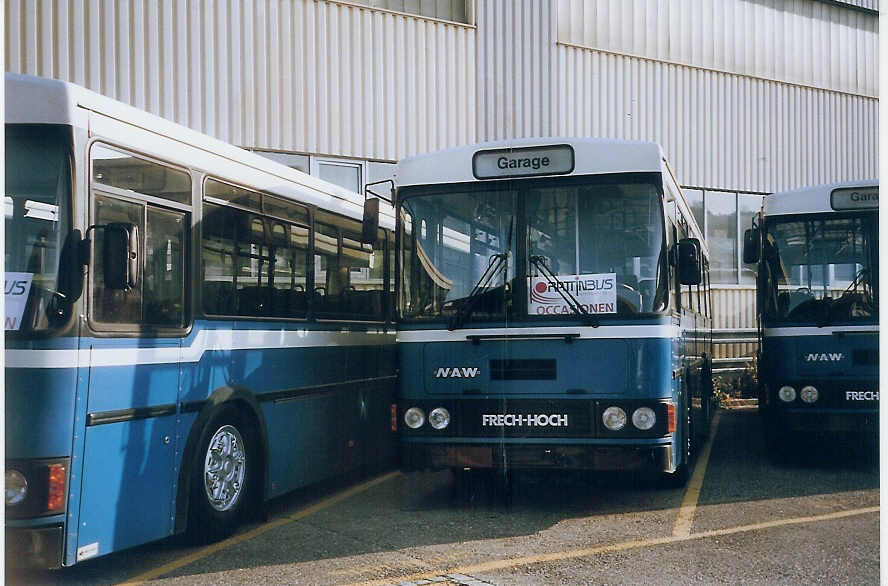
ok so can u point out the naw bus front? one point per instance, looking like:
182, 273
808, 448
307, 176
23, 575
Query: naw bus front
818, 303
536, 327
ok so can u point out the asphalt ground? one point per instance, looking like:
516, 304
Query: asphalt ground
746, 516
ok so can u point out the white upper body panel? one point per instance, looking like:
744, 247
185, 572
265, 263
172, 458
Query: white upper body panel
36, 100
592, 156
810, 200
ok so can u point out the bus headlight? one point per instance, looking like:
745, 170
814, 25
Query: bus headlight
16, 487
614, 418
809, 394
787, 394
414, 417
439, 418
644, 418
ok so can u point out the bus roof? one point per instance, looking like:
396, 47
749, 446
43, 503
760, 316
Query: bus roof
809, 200
592, 156
37, 100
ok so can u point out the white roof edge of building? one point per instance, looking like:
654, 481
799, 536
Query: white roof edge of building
809, 200
59, 100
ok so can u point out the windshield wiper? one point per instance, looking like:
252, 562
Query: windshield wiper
496, 263
540, 263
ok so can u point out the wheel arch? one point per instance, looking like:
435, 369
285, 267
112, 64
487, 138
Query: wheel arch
242, 399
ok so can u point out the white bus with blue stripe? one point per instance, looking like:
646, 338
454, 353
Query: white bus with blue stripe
191, 329
553, 309
817, 254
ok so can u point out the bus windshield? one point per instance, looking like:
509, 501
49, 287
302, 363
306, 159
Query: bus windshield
821, 269
460, 249
37, 204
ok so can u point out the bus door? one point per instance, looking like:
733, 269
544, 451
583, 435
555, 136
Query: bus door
139, 319
129, 445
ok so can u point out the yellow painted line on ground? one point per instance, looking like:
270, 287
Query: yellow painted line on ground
692, 495
264, 528
558, 556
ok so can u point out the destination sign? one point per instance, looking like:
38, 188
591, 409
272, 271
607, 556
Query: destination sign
855, 198
523, 162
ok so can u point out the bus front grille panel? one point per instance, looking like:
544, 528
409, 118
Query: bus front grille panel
866, 357
524, 369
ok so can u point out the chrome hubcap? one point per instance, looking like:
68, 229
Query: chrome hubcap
224, 468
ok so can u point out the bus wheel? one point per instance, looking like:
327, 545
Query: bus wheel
221, 477
467, 484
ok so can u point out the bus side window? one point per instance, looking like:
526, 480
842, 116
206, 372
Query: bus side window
255, 263
119, 180
349, 274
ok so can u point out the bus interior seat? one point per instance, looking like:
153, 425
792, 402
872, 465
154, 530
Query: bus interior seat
252, 300
218, 298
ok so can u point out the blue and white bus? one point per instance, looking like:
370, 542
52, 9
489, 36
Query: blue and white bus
553, 309
190, 329
817, 253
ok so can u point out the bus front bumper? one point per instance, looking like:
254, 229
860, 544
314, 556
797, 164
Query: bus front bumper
540, 457
34, 547
811, 421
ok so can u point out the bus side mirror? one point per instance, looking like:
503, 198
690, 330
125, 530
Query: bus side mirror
752, 246
120, 255
370, 225
689, 263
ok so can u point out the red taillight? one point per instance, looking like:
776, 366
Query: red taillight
670, 418
394, 417
55, 500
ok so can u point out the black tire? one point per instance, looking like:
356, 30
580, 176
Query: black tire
467, 485
222, 476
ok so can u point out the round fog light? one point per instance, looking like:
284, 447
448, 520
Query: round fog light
614, 418
787, 394
809, 394
644, 418
439, 418
414, 417
16, 487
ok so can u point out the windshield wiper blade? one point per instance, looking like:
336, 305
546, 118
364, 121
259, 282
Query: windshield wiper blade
540, 263
495, 264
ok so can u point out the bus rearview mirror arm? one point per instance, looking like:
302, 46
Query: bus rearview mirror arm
370, 223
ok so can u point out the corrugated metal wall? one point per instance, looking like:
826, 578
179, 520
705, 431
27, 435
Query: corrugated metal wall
517, 84
733, 308
298, 75
720, 130
799, 41
323, 77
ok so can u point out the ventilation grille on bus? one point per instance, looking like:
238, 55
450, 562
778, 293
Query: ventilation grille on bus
529, 369
866, 357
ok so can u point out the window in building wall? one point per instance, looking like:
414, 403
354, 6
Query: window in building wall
348, 174
721, 234
299, 162
454, 10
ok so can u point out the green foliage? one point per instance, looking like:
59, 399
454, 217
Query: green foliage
744, 384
